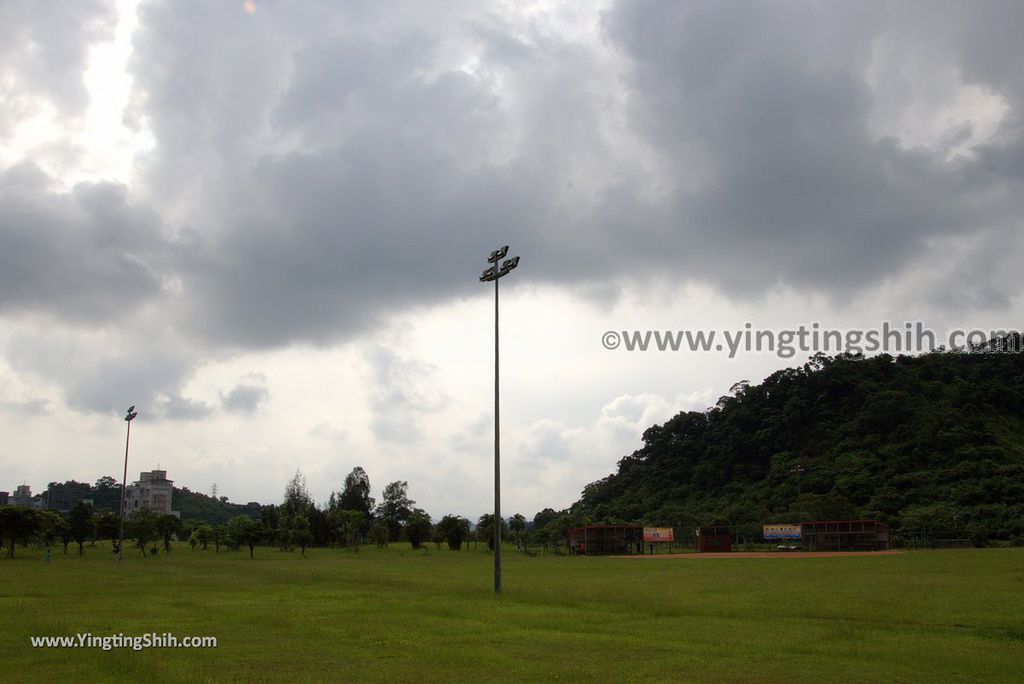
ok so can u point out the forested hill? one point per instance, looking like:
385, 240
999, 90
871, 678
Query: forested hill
931, 443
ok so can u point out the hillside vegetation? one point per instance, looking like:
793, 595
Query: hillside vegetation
933, 444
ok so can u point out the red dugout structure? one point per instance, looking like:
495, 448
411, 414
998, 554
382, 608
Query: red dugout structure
713, 539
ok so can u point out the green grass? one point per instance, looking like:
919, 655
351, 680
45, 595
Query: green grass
400, 615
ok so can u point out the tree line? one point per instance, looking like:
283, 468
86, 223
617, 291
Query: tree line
349, 519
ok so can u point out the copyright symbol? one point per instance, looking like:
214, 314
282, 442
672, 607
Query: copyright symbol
611, 340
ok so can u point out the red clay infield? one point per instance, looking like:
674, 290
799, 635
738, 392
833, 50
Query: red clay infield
778, 554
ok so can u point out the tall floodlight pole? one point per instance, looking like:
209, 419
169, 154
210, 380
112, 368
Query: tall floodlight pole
494, 272
129, 415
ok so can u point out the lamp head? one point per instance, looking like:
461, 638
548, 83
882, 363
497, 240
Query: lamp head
497, 255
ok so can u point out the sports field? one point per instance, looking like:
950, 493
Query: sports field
400, 615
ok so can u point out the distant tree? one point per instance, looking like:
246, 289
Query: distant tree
543, 517
107, 482
555, 532
348, 525
319, 526
542, 537
517, 525
456, 531
108, 525
202, 534
186, 530
243, 531
485, 529
300, 533
396, 507
142, 527
83, 524
65, 535
296, 497
356, 495
217, 537
418, 528
106, 494
438, 536
379, 533
167, 526
18, 524
50, 524
270, 520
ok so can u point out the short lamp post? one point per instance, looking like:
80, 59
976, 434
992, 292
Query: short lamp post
494, 272
129, 416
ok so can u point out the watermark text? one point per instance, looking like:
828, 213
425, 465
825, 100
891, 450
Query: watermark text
906, 338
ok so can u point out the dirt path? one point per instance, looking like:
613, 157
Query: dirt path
774, 554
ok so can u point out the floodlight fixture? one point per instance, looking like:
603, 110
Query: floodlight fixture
497, 255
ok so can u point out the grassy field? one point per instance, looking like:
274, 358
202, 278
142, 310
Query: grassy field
400, 615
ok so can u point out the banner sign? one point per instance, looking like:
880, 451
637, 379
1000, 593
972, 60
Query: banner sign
658, 534
782, 532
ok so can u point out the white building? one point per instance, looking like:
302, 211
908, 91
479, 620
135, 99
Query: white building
153, 491
23, 497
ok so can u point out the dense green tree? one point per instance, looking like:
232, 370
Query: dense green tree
108, 525
51, 527
201, 536
299, 533
167, 527
355, 496
82, 520
379, 533
418, 528
485, 530
319, 526
270, 521
455, 530
243, 531
65, 535
296, 497
348, 526
18, 524
106, 494
396, 507
516, 527
543, 517
141, 526
438, 536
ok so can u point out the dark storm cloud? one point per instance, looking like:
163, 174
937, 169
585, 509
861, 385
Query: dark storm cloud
346, 168
88, 255
386, 180
766, 108
321, 167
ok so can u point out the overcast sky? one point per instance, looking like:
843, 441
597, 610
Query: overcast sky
263, 222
